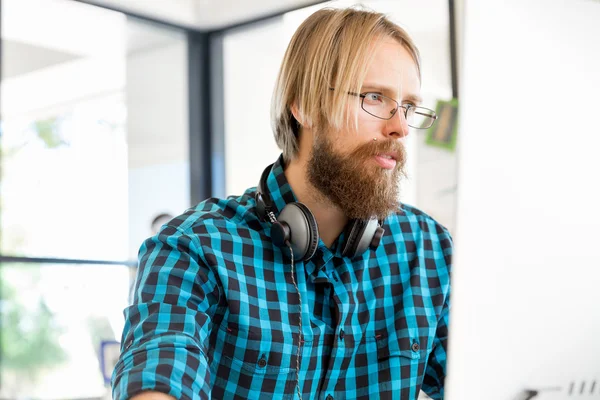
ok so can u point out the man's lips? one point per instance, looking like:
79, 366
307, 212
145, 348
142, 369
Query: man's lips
389, 154
386, 160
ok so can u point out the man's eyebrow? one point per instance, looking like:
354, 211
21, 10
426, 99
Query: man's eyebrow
414, 99
391, 92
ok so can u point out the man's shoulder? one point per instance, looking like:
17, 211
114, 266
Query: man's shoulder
219, 214
412, 218
415, 228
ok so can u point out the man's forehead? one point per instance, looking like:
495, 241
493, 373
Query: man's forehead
393, 71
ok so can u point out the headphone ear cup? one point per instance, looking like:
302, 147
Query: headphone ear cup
353, 231
280, 233
303, 230
360, 234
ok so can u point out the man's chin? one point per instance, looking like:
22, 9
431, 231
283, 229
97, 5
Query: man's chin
379, 180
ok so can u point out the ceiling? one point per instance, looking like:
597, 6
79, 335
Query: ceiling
204, 14
31, 41
38, 57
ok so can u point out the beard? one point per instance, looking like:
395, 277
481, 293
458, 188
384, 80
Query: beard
353, 182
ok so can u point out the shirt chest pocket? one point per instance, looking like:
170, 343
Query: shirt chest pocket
401, 361
246, 363
254, 352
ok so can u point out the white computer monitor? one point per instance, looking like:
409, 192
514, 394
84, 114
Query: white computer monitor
526, 280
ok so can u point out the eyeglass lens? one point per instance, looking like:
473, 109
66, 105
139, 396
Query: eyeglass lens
384, 107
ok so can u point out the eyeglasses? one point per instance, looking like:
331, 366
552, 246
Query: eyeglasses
384, 107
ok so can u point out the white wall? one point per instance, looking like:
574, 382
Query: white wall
526, 304
157, 133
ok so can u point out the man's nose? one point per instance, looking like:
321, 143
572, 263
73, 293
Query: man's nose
397, 126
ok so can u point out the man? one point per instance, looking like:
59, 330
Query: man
317, 284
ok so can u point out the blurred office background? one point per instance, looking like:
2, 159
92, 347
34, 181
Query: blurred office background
115, 112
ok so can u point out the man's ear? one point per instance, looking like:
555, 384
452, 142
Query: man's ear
296, 113
298, 121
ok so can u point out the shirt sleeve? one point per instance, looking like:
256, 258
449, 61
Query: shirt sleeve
435, 371
166, 330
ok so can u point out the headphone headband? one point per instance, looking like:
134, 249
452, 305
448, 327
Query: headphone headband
263, 198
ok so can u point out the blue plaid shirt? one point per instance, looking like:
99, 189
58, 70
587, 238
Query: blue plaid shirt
216, 314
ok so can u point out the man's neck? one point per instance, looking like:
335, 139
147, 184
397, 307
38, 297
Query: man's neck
330, 219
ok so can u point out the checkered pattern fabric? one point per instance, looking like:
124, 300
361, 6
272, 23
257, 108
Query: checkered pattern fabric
216, 314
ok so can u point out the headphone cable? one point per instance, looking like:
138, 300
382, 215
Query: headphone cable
273, 220
300, 341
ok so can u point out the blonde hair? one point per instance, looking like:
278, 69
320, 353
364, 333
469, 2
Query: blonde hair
330, 49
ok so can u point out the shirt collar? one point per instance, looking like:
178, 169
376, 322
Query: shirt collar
278, 186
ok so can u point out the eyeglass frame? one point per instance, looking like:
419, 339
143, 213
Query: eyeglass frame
406, 107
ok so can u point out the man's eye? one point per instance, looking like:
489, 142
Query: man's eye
373, 97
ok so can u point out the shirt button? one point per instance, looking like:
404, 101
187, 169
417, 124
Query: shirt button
341, 335
329, 397
262, 362
415, 347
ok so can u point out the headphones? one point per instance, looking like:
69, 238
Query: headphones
296, 226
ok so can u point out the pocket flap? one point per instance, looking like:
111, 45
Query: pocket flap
259, 352
398, 346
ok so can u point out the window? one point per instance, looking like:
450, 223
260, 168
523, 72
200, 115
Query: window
54, 319
93, 146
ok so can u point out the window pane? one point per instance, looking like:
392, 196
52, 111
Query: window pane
157, 127
94, 130
54, 320
64, 147
64, 182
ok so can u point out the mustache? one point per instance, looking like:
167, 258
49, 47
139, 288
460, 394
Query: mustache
372, 148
